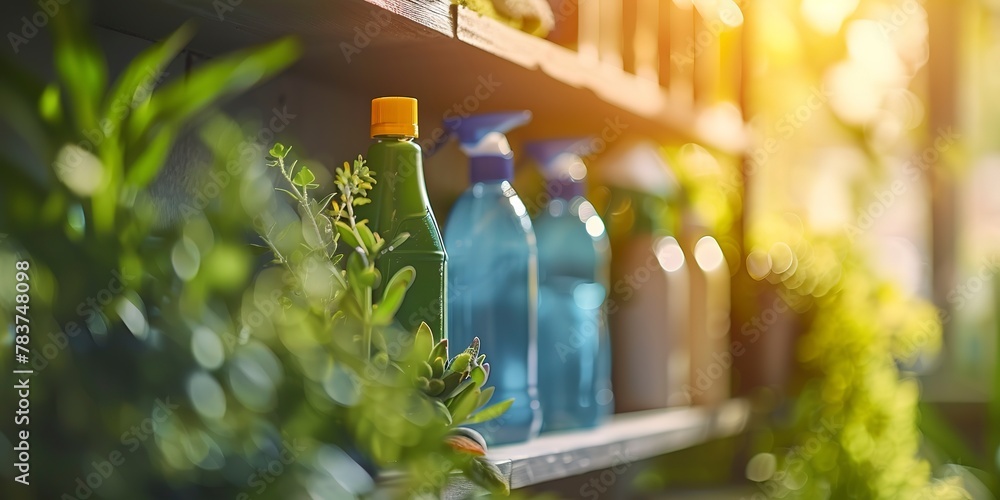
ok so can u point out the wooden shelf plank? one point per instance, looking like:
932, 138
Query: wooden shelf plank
627, 437
452, 59
641, 97
655, 108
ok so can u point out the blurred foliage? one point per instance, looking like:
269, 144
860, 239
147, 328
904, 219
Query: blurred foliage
834, 121
855, 428
168, 365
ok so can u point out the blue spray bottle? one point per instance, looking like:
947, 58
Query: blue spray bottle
493, 273
574, 379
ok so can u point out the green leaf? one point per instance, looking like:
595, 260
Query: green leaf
359, 276
485, 396
322, 204
435, 387
366, 237
443, 411
135, 86
465, 385
480, 375
440, 349
144, 168
473, 348
484, 473
181, 99
423, 341
350, 304
304, 177
437, 365
465, 403
398, 240
460, 362
81, 67
451, 381
279, 150
424, 369
491, 412
49, 105
393, 295
347, 234
379, 243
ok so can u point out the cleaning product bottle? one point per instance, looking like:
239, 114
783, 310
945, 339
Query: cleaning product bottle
400, 204
650, 272
574, 385
711, 358
492, 272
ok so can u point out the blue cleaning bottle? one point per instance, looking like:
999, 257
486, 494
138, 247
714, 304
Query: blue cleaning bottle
493, 273
574, 379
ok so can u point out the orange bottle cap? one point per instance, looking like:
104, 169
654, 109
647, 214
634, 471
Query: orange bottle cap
394, 116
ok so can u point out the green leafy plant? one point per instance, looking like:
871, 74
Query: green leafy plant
393, 366
456, 384
126, 303
855, 432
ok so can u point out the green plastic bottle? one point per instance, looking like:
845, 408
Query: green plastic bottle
400, 204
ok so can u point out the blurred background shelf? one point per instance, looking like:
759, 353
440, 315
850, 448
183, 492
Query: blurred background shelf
449, 57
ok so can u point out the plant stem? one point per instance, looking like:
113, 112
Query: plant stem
303, 199
367, 323
367, 320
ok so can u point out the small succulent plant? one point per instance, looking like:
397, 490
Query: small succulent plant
455, 384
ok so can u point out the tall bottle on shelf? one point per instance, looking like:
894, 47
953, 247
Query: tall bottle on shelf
492, 272
400, 204
651, 296
574, 384
711, 358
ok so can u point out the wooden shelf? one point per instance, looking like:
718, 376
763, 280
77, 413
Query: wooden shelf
627, 437
440, 53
